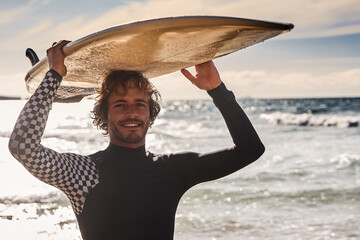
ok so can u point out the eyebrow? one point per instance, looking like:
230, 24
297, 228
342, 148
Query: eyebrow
124, 101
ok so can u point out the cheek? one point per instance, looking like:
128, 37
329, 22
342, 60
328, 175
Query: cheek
147, 114
114, 113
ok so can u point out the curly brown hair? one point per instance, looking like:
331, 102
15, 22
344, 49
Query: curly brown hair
125, 79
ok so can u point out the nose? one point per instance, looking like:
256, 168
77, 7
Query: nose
131, 112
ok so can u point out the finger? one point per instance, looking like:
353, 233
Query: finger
188, 75
60, 44
52, 47
57, 43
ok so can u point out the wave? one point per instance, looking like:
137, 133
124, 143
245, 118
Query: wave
305, 119
346, 161
5, 134
51, 197
310, 196
335, 106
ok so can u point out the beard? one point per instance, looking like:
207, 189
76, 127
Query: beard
128, 136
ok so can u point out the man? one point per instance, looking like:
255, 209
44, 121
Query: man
125, 192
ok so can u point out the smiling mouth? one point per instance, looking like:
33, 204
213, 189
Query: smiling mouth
131, 124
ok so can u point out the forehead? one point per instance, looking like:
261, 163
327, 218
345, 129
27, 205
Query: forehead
128, 94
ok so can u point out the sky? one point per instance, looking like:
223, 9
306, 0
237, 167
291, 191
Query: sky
320, 57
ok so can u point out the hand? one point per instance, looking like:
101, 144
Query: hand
206, 78
56, 57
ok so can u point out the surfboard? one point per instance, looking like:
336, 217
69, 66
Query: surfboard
154, 47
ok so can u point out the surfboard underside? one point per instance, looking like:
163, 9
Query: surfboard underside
154, 47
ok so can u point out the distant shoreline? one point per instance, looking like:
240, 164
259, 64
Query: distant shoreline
263, 98
9, 98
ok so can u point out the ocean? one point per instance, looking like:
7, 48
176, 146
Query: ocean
305, 186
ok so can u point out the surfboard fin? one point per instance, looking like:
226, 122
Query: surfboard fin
31, 54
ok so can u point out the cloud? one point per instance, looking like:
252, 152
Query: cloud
268, 84
274, 84
15, 14
311, 18
39, 28
8, 16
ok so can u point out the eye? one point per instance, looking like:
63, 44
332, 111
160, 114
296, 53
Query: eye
120, 105
140, 105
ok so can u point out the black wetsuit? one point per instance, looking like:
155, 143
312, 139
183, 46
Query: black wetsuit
123, 193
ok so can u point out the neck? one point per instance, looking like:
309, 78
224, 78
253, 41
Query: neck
125, 144
126, 147
128, 153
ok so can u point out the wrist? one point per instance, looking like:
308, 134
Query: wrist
60, 70
56, 74
214, 86
219, 92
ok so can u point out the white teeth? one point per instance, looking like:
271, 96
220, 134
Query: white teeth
131, 125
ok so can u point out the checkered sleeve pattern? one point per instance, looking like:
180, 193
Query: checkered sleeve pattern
73, 174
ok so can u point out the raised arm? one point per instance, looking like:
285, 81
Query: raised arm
242, 132
74, 174
193, 168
